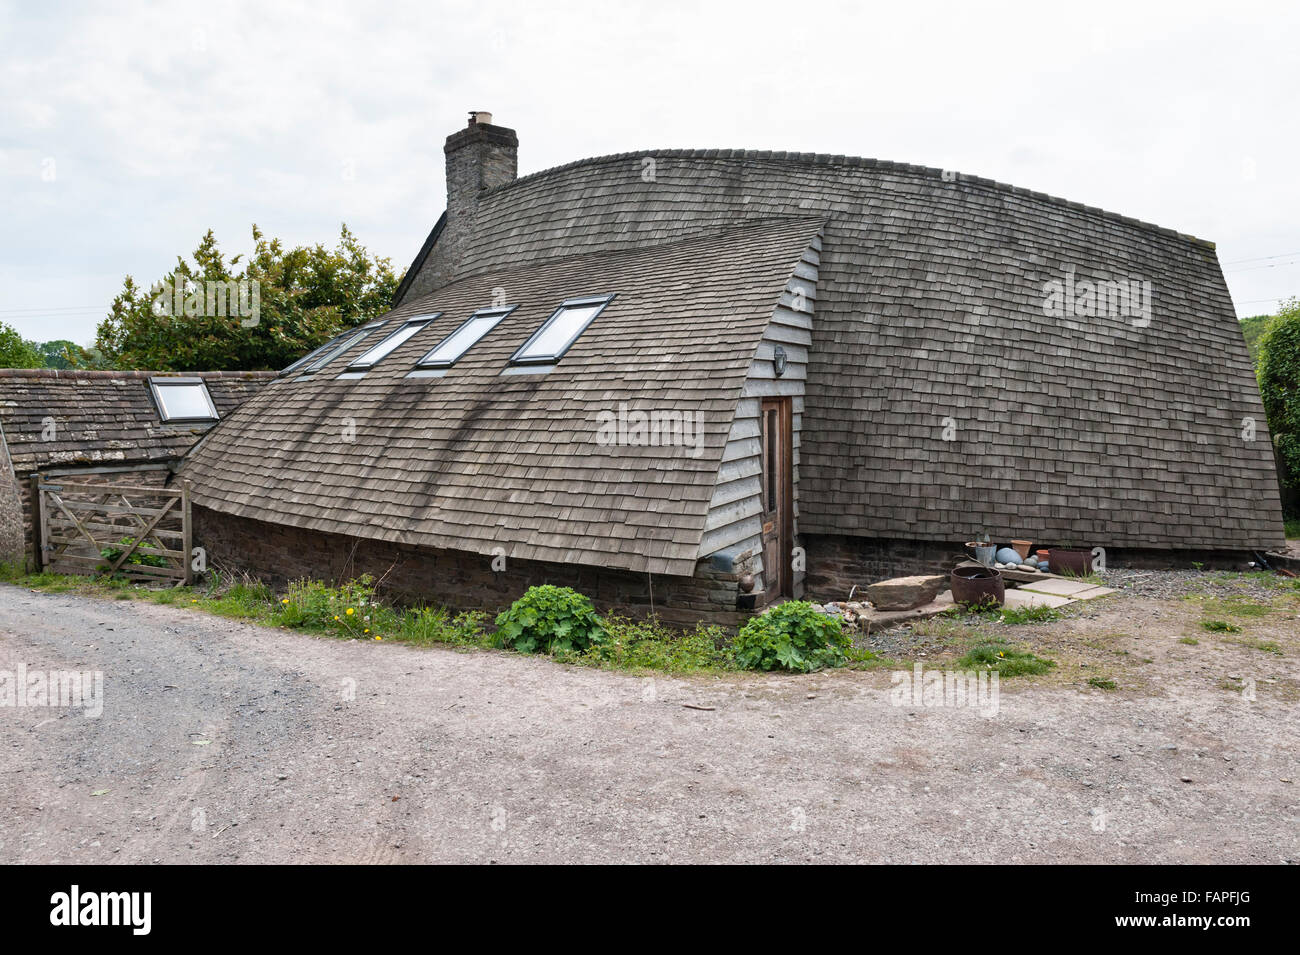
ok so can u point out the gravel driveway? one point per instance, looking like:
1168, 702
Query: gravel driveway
226, 742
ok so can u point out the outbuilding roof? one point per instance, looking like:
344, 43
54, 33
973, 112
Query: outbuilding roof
70, 418
481, 458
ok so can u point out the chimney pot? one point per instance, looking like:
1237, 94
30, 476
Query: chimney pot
480, 117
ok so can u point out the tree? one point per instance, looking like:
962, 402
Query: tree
1278, 373
214, 314
16, 351
60, 353
1252, 329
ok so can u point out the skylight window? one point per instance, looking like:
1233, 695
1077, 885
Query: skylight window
315, 352
448, 351
329, 354
553, 339
381, 351
183, 399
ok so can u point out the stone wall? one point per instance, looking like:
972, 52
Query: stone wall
12, 540
837, 563
278, 553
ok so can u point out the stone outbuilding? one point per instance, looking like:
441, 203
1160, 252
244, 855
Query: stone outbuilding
115, 426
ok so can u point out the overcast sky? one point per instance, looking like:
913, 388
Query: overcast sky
127, 130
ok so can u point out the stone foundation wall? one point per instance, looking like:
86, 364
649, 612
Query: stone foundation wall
837, 563
278, 553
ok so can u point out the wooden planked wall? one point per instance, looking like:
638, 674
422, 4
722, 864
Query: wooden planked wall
733, 521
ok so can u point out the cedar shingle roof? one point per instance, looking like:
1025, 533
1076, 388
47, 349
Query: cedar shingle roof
476, 460
930, 307
103, 417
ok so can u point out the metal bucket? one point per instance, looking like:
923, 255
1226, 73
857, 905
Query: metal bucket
979, 586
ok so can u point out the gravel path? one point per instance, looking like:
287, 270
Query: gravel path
226, 742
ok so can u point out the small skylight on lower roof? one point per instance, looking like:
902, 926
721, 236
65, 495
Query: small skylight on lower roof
375, 355
328, 354
561, 330
183, 399
448, 351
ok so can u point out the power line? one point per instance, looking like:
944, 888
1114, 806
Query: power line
63, 308
1256, 268
1261, 258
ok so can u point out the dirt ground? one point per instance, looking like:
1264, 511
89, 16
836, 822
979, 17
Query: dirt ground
225, 742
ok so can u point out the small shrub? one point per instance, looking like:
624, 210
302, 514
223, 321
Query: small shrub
550, 619
349, 609
648, 645
791, 636
138, 557
438, 625
1220, 626
1008, 661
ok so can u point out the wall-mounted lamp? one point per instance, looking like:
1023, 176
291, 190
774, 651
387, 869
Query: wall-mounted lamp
778, 360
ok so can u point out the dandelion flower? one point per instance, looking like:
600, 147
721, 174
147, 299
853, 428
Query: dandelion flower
351, 611
285, 600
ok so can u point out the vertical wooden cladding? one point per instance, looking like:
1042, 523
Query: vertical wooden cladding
736, 511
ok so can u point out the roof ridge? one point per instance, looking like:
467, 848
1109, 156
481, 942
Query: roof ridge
807, 221
93, 373
828, 159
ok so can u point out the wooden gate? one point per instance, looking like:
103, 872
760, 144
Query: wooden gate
143, 533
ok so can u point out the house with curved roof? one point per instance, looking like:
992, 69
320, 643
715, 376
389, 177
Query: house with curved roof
665, 376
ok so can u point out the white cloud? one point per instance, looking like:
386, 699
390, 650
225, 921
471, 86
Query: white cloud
163, 120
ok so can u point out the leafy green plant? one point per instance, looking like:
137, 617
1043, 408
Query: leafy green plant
350, 608
1102, 682
649, 645
138, 556
550, 619
791, 636
1220, 626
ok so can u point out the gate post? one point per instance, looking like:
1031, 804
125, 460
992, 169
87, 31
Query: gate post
187, 533
40, 537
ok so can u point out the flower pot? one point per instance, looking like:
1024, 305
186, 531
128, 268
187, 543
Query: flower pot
983, 552
1022, 548
982, 586
1069, 561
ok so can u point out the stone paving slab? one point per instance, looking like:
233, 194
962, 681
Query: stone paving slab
1028, 598
1060, 588
1092, 592
881, 619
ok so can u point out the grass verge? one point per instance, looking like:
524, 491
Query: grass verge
352, 611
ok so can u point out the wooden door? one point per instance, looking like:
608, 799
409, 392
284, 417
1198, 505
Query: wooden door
777, 516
